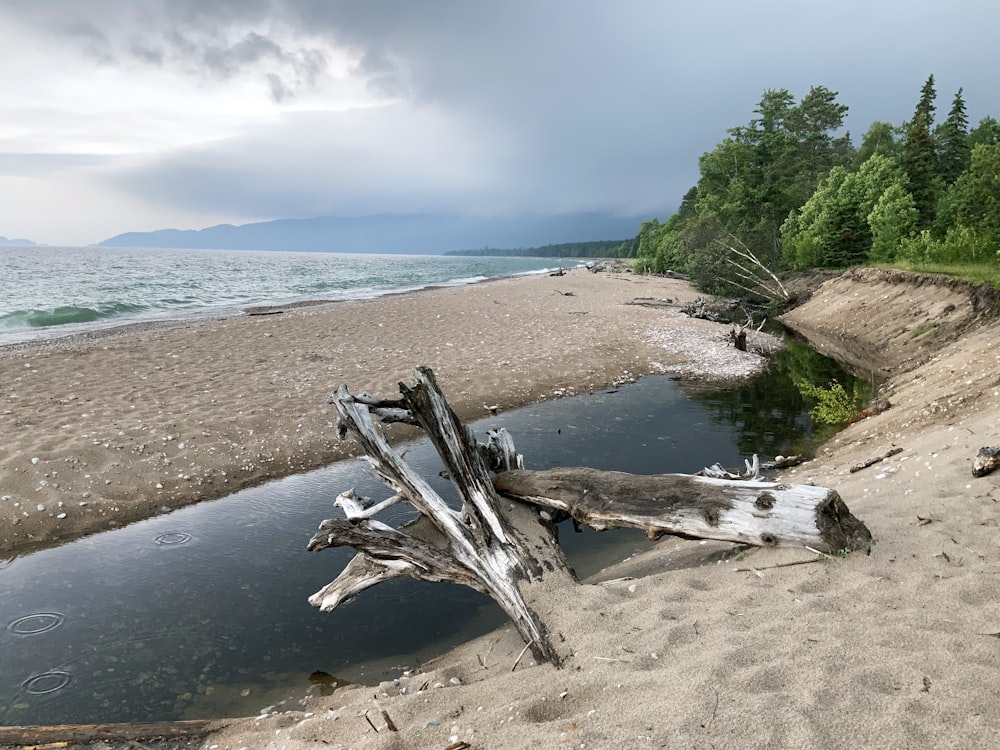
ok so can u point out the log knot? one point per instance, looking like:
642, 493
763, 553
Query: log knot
765, 501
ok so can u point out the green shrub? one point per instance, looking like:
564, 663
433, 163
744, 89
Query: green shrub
832, 405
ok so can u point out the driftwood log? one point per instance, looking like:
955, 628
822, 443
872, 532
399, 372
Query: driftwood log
764, 514
501, 547
63, 735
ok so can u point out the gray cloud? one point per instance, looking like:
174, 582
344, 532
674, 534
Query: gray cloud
557, 105
46, 165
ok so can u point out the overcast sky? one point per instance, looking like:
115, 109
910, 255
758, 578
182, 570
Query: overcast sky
121, 115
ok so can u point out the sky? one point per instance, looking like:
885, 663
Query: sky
135, 115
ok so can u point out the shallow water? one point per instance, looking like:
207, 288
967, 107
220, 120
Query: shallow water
203, 612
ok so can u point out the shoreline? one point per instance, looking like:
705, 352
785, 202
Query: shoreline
109, 328
106, 429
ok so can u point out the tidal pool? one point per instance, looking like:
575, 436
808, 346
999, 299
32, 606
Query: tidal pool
203, 612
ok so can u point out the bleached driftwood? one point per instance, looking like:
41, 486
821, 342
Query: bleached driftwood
499, 547
474, 545
747, 512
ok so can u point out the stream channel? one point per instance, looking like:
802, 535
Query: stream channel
202, 613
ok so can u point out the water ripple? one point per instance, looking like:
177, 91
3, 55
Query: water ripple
40, 622
171, 538
47, 682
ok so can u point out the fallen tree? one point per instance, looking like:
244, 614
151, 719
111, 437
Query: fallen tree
500, 539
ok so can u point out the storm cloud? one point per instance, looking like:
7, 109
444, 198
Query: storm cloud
256, 109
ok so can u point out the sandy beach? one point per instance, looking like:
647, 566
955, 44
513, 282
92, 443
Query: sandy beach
102, 430
683, 646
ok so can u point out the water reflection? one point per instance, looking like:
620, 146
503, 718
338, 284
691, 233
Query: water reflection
770, 413
203, 612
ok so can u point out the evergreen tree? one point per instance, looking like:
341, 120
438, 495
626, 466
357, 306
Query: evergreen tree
953, 142
919, 158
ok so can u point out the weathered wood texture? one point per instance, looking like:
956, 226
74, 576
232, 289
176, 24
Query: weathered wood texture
474, 545
747, 512
93, 733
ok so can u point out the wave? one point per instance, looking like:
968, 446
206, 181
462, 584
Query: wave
68, 314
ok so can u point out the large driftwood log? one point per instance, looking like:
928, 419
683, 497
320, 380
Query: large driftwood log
747, 512
500, 547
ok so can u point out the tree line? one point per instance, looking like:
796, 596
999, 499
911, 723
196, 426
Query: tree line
790, 192
590, 249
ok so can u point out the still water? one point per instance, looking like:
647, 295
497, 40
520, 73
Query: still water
203, 612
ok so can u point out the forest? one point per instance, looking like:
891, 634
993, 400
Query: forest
788, 191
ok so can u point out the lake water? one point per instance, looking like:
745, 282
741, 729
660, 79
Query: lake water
203, 612
54, 291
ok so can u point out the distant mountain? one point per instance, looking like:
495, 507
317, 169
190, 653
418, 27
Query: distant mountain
4, 242
391, 233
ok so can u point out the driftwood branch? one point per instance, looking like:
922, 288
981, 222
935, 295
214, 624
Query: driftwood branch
747, 512
876, 460
759, 275
474, 545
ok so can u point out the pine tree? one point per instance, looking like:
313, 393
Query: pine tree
953, 141
919, 158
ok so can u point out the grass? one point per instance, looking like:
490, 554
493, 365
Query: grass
977, 273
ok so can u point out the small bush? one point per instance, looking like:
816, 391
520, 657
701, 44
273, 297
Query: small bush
832, 405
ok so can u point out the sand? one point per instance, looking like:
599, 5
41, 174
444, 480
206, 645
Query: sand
102, 430
682, 646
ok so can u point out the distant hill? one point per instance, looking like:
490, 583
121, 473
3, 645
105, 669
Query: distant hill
4, 242
391, 233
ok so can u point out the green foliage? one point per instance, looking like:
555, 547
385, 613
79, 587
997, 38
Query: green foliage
839, 224
976, 195
960, 246
832, 405
893, 219
986, 272
882, 139
760, 173
986, 133
795, 194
